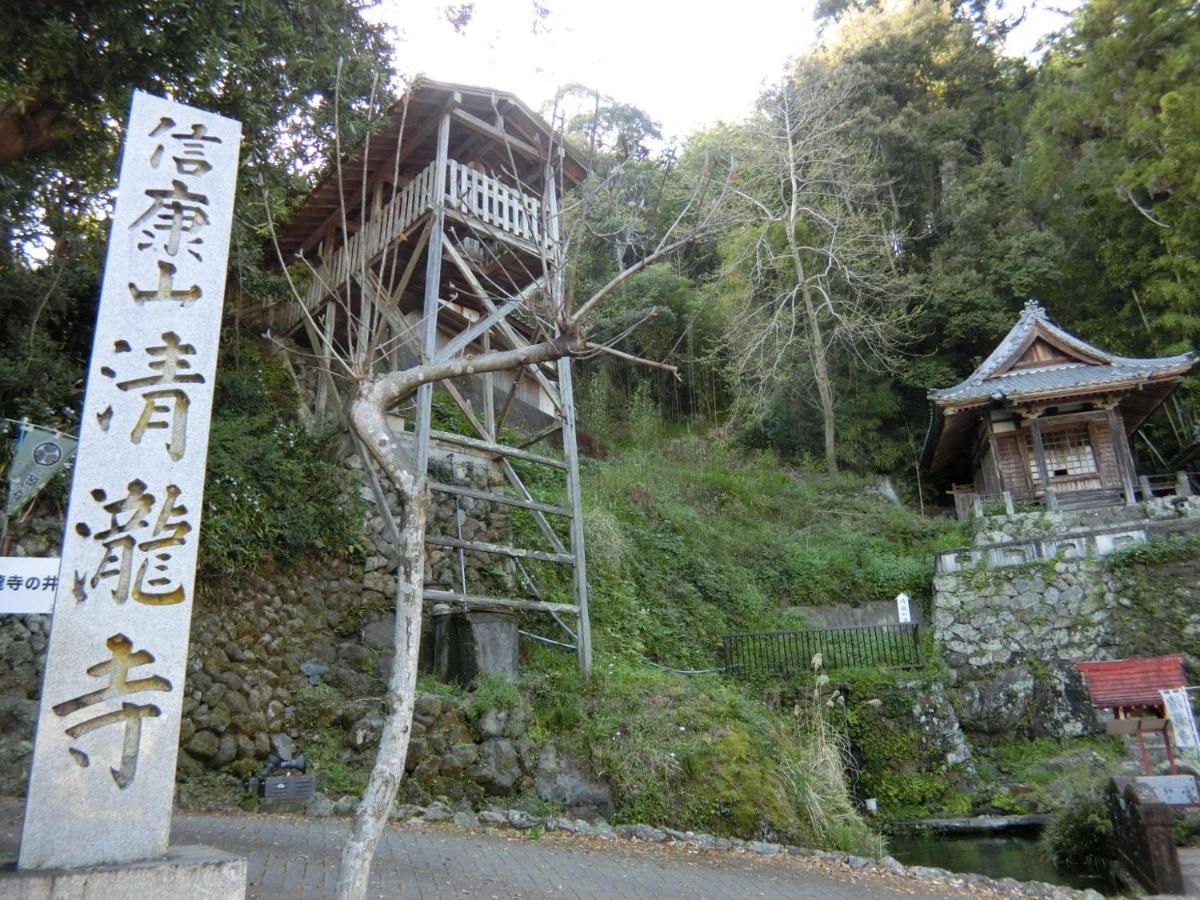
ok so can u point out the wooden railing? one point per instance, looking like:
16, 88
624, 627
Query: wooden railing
473, 195
492, 202
792, 652
332, 275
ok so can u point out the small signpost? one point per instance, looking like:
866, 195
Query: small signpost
904, 608
1183, 720
103, 773
28, 584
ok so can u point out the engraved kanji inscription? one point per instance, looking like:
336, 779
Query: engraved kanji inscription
165, 290
116, 670
178, 215
166, 405
191, 143
130, 537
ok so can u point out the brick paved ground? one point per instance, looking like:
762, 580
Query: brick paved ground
297, 858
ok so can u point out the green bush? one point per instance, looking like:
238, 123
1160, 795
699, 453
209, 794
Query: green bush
1080, 836
273, 488
698, 753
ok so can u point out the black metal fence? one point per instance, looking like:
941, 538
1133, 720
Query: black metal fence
792, 652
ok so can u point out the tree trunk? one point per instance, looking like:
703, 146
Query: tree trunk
817, 353
372, 813
820, 362
367, 417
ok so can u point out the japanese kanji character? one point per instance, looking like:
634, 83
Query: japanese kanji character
50, 583
119, 685
192, 162
166, 288
177, 212
169, 365
127, 516
15, 582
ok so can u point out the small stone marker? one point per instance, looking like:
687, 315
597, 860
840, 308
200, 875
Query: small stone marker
903, 608
103, 774
1173, 790
27, 584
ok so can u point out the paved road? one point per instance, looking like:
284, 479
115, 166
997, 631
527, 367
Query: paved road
297, 858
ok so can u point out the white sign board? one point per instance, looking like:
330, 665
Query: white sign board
27, 584
1183, 720
904, 608
1173, 790
103, 772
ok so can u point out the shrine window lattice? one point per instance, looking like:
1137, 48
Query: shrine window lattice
1068, 452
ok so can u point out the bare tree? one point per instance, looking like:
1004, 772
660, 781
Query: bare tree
561, 330
815, 260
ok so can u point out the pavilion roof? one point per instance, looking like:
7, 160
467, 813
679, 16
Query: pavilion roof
409, 130
1081, 365
1117, 683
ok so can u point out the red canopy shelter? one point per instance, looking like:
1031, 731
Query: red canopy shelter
1130, 688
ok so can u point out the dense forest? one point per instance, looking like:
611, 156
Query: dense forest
897, 196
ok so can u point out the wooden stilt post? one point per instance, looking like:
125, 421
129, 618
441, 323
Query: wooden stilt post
433, 278
575, 502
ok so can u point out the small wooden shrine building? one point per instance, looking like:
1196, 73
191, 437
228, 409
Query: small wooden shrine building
1047, 415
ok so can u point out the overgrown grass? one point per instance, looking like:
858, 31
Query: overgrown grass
273, 487
698, 753
690, 539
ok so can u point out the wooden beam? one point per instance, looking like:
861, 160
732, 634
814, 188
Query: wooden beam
503, 499
397, 292
462, 403
499, 450
439, 596
542, 522
508, 400
499, 134
1124, 459
1039, 453
477, 330
515, 339
433, 277
575, 501
552, 428
499, 549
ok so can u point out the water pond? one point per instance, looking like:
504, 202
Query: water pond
1008, 855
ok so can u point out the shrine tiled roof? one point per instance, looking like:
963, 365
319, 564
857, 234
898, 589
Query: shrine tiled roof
993, 380
1132, 682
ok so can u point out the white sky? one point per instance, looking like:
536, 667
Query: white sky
688, 65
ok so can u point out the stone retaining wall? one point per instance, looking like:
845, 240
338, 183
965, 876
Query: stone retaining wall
1012, 635
296, 659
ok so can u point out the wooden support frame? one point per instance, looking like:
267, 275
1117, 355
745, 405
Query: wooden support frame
474, 210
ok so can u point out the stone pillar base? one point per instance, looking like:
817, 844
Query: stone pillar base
198, 873
478, 642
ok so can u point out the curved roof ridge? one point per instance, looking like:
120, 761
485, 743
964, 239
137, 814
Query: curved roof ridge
1033, 316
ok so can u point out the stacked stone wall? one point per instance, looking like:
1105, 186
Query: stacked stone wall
1012, 635
297, 658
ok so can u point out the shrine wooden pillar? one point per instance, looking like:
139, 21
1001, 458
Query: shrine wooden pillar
1039, 455
1121, 449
